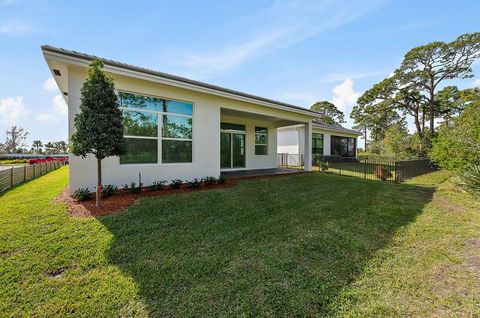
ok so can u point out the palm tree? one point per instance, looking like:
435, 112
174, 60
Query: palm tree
37, 145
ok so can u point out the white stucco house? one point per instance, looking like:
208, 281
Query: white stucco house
177, 128
327, 140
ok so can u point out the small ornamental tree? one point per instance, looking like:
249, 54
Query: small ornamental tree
99, 127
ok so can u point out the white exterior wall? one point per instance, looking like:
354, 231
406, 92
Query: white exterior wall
288, 140
206, 134
288, 135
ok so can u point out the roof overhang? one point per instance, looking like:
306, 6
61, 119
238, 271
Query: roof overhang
342, 130
55, 56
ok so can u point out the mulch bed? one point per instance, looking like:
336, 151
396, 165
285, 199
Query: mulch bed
123, 199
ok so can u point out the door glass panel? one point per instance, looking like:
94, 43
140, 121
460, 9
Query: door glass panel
238, 150
225, 151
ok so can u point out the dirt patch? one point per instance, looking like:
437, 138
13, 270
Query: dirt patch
472, 256
123, 199
56, 273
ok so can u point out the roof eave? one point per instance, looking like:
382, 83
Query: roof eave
82, 59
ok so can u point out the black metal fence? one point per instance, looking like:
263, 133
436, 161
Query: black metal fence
369, 169
412, 168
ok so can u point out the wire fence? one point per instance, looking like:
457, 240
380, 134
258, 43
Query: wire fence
369, 169
13, 176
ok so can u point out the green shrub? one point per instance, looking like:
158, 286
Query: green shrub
13, 161
176, 184
132, 187
108, 190
458, 144
157, 185
81, 194
209, 181
221, 179
195, 183
322, 165
470, 179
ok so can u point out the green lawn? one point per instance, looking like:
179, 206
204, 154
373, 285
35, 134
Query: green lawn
306, 245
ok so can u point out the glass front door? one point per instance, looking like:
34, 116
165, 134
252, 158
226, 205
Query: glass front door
232, 150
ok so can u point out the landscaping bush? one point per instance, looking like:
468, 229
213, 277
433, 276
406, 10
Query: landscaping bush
470, 179
222, 179
132, 187
382, 172
176, 184
81, 194
322, 165
13, 161
157, 185
195, 183
108, 190
208, 181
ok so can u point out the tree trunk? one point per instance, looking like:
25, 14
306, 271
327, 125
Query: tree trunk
423, 118
365, 135
99, 182
432, 111
417, 122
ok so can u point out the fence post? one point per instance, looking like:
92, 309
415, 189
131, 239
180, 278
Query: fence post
365, 168
11, 177
25, 173
397, 173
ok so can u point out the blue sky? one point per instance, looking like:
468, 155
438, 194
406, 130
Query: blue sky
295, 51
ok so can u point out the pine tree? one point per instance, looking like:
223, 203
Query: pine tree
99, 128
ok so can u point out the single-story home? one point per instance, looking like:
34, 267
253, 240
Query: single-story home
327, 140
177, 128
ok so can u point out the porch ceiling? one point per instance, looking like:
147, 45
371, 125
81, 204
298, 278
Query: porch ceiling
278, 122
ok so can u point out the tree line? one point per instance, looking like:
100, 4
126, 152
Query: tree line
418, 90
16, 142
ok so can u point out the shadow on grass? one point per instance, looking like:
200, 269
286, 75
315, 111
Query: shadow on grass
282, 246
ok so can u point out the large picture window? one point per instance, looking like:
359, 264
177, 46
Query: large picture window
317, 144
142, 117
343, 146
261, 141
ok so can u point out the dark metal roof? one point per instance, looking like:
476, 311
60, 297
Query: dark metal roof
89, 57
317, 124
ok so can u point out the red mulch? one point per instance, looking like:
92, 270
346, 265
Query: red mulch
123, 199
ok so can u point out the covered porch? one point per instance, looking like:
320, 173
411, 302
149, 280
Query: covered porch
248, 142
244, 174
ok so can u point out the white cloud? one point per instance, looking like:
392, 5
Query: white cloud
50, 85
476, 83
59, 106
279, 26
12, 110
58, 111
14, 28
344, 96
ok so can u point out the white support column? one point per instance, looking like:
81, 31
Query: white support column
307, 150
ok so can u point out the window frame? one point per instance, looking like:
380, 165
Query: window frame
266, 140
339, 138
323, 143
159, 136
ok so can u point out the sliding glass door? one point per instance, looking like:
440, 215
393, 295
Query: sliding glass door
232, 146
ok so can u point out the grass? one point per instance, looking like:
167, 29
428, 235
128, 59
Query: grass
307, 245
